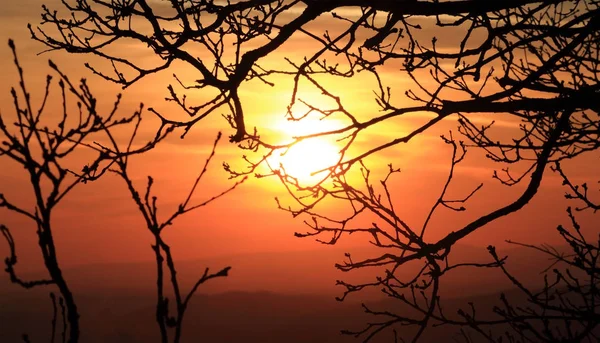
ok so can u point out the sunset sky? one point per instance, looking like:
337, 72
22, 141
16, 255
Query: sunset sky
98, 222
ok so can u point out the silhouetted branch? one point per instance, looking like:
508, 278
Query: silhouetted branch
148, 208
43, 152
11, 261
579, 192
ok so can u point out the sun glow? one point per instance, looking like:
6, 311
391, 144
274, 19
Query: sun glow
307, 160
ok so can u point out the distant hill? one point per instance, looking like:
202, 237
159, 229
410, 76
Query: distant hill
249, 317
269, 297
298, 272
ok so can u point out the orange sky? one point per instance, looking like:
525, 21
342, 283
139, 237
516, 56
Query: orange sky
99, 223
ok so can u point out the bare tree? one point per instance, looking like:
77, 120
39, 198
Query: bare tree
566, 307
148, 208
44, 145
533, 62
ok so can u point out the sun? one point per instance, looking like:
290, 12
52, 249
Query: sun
307, 160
